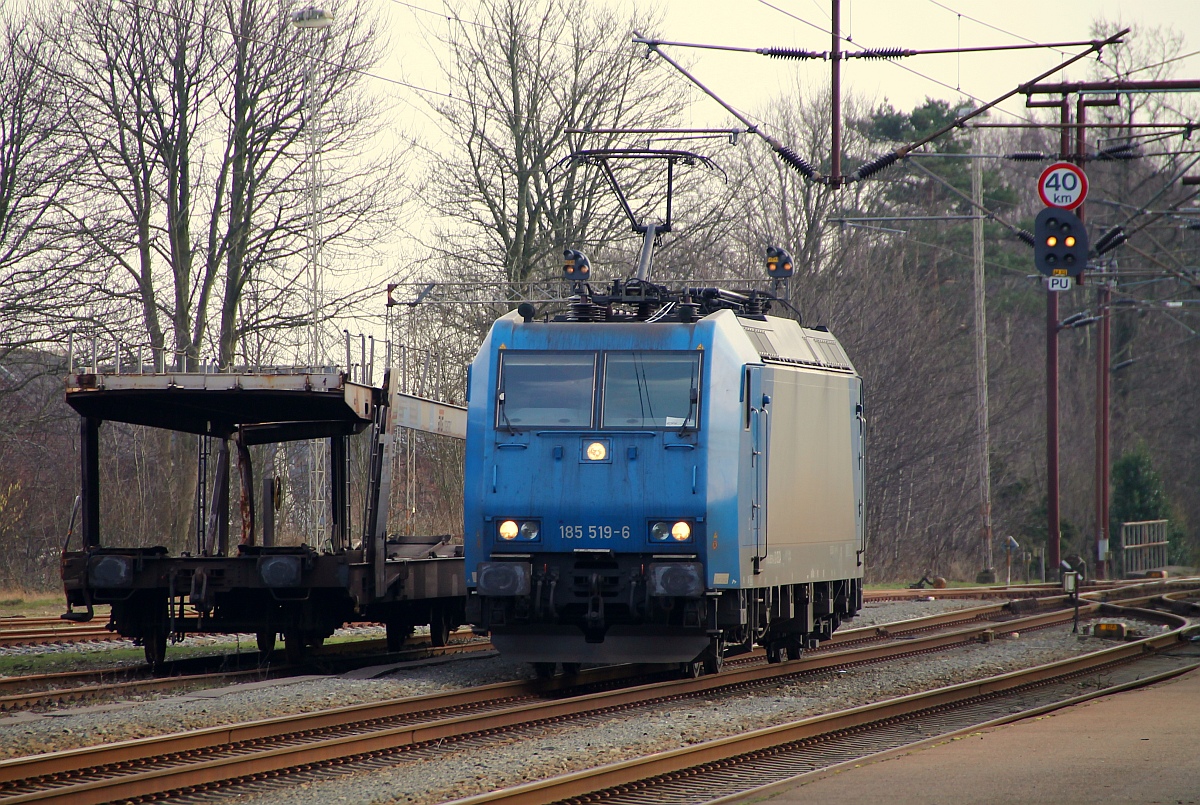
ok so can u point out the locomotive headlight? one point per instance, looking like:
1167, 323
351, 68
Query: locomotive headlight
660, 532
523, 530
596, 451
681, 531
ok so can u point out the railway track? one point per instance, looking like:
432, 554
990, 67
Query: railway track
27, 631
38, 690
1018, 591
758, 763
238, 754
37, 631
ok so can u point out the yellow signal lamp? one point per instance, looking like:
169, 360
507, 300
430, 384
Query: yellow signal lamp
575, 264
779, 263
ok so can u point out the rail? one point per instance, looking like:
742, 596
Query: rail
223, 754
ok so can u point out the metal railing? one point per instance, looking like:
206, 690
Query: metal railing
1144, 546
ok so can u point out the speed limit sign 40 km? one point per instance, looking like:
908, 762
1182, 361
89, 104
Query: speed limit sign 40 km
1063, 185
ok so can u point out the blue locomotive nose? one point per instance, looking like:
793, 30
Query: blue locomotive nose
617, 489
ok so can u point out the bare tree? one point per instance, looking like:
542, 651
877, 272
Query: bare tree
193, 115
37, 163
523, 74
196, 124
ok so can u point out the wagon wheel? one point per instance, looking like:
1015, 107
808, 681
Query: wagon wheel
266, 641
293, 645
543, 670
154, 645
439, 627
397, 632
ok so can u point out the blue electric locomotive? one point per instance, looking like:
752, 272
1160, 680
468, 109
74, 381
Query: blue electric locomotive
662, 477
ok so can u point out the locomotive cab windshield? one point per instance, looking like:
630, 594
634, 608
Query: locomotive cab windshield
638, 391
650, 390
546, 390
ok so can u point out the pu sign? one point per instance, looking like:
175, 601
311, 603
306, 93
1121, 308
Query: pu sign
1063, 185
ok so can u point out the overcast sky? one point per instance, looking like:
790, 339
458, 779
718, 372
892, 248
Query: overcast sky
751, 81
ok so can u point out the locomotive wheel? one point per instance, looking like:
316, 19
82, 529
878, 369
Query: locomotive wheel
397, 633
571, 668
543, 670
693, 669
154, 646
714, 662
266, 641
439, 628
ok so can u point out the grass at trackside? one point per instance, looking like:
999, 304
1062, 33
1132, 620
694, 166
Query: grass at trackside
904, 585
15, 603
83, 658
61, 661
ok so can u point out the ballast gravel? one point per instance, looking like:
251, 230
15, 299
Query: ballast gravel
464, 769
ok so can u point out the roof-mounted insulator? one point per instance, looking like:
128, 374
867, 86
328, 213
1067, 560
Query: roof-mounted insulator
875, 166
791, 53
1116, 152
1025, 236
796, 161
1027, 156
879, 53
1111, 240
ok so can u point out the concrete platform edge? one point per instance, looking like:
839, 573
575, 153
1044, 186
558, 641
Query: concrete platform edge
829, 771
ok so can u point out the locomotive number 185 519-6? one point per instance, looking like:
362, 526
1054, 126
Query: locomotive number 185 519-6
593, 531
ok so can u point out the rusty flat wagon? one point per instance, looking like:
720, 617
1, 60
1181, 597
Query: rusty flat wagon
300, 592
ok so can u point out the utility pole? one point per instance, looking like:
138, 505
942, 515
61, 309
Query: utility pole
835, 88
316, 20
1103, 357
988, 574
1053, 522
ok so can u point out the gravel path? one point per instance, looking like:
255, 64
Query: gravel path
461, 770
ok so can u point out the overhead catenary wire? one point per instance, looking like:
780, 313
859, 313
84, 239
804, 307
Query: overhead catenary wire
1016, 231
786, 154
888, 159
905, 67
